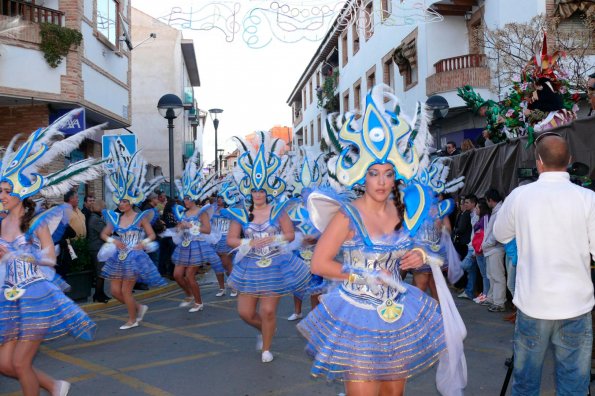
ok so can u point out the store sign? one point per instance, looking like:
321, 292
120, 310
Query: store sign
74, 126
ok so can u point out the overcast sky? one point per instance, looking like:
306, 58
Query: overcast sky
250, 85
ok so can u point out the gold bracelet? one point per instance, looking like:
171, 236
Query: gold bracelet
424, 255
352, 278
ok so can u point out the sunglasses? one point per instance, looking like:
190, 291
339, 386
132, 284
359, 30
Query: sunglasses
545, 134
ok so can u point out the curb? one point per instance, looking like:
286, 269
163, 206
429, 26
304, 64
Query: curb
96, 306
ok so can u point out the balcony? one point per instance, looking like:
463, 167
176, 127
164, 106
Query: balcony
188, 98
31, 12
452, 73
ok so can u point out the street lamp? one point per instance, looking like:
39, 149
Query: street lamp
213, 113
220, 152
170, 106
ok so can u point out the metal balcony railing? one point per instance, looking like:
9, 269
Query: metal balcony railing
30, 11
460, 62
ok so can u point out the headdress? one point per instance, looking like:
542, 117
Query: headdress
261, 166
127, 177
311, 169
194, 184
228, 190
20, 167
544, 65
381, 136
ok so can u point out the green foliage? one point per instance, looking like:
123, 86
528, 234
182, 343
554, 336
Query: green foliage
323, 146
83, 262
326, 95
56, 42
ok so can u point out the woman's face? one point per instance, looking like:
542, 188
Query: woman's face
380, 180
9, 202
259, 197
220, 202
188, 203
476, 210
124, 206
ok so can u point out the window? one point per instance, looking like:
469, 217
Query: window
108, 21
319, 125
371, 78
345, 101
304, 98
344, 55
369, 20
405, 57
310, 86
387, 9
577, 31
355, 36
312, 133
306, 135
388, 76
357, 94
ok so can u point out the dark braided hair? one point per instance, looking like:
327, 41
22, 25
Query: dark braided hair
399, 204
29, 206
250, 209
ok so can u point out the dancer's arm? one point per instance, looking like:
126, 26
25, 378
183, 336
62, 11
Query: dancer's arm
205, 223
287, 228
323, 260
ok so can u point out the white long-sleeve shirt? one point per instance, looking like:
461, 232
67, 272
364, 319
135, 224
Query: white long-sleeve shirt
553, 221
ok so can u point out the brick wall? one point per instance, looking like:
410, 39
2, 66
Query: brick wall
21, 119
478, 77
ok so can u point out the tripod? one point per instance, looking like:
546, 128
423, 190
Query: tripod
509, 362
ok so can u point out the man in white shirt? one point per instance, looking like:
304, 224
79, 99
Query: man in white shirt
553, 221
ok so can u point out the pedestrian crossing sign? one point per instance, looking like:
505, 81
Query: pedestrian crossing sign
126, 144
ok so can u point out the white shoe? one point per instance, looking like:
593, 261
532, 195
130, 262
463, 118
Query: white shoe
234, 293
186, 303
126, 326
61, 388
267, 357
259, 342
294, 316
220, 293
196, 308
141, 313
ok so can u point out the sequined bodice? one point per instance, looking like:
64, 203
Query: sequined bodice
21, 269
220, 223
385, 255
192, 233
253, 231
130, 236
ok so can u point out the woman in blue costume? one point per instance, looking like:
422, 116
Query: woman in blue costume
220, 225
193, 232
129, 235
263, 271
374, 331
33, 307
311, 174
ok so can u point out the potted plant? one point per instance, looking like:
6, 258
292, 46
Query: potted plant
80, 276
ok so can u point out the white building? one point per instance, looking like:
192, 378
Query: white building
95, 75
417, 61
163, 65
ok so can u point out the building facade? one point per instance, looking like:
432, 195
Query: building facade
367, 45
94, 75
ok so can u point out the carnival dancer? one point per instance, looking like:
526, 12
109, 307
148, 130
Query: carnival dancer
374, 331
128, 234
228, 195
310, 175
33, 307
193, 230
263, 271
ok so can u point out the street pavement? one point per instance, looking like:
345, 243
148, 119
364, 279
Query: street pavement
212, 352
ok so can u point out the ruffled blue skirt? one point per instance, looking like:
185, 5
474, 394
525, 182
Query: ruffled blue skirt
196, 254
352, 343
42, 313
286, 274
137, 266
222, 247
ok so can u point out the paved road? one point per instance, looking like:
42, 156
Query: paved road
212, 353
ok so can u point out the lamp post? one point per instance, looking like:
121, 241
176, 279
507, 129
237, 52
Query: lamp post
170, 106
214, 116
220, 152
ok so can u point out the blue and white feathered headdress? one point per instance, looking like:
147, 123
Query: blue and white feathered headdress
21, 167
311, 169
194, 184
261, 167
127, 177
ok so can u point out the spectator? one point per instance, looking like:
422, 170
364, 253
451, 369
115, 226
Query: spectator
451, 149
494, 255
483, 213
87, 204
77, 220
553, 221
95, 226
591, 93
467, 145
461, 233
166, 245
487, 141
469, 263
